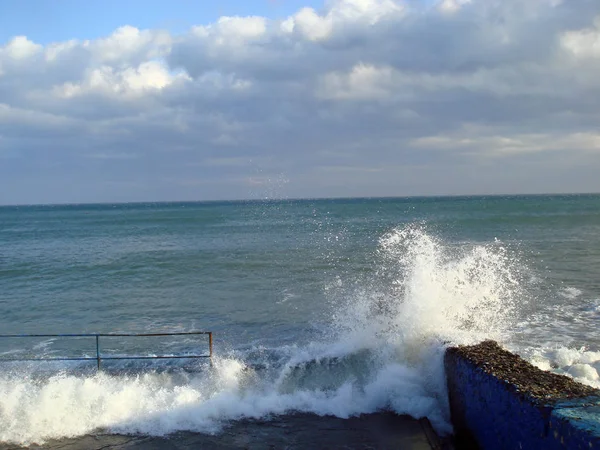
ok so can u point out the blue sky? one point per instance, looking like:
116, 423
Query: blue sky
148, 101
49, 21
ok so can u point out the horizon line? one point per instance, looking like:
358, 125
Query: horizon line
296, 199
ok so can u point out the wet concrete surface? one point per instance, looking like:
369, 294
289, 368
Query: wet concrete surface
295, 431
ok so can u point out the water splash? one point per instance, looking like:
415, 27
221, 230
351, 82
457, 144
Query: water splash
425, 290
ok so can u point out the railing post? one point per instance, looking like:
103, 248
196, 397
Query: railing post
98, 350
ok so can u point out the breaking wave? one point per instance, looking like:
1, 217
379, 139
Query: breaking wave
383, 351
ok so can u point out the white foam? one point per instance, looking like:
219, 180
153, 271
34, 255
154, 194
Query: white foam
385, 351
68, 406
570, 293
581, 364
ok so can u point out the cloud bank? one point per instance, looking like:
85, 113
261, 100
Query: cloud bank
359, 98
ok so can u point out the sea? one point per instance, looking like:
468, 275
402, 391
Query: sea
335, 307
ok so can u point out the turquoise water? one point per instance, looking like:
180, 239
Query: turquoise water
334, 301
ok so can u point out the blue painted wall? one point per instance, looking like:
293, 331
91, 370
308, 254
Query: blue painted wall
492, 414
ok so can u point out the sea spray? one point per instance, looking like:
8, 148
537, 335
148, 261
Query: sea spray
424, 296
384, 350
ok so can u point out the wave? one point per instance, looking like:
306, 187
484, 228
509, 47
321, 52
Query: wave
570, 293
581, 364
383, 351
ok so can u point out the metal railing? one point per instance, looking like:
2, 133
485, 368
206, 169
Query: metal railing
99, 358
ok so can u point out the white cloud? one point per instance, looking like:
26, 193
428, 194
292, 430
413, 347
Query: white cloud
311, 25
340, 14
21, 48
242, 27
55, 50
362, 82
451, 6
147, 76
583, 43
498, 145
128, 43
367, 11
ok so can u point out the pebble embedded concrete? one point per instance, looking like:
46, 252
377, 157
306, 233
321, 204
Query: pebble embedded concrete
500, 401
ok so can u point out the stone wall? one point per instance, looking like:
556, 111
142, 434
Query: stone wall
500, 401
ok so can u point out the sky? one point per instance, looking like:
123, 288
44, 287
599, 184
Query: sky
196, 100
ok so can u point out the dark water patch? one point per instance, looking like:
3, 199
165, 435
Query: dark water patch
295, 431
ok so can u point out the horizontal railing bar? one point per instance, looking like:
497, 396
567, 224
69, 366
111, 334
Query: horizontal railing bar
106, 358
50, 359
182, 333
152, 357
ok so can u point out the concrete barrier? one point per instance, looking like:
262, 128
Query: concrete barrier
500, 401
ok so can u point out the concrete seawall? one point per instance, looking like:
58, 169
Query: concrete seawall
500, 401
